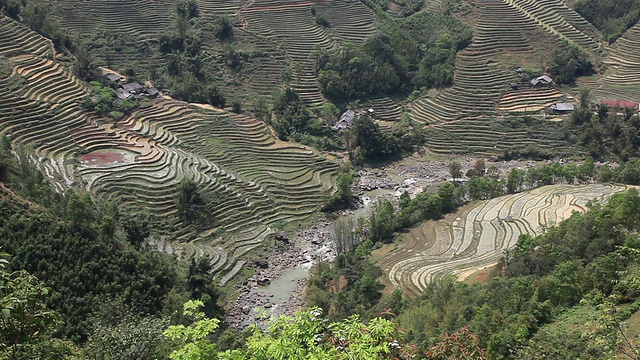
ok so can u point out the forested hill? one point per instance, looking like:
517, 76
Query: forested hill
76, 254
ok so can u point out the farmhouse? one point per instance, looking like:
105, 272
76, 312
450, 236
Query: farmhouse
561, 108
543, 80
132, 87
346, 120
151, 92
123, 94
616, 104
113, 77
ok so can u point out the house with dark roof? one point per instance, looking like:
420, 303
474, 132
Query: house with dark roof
150, 92
543, 80
346, 120
562, 108
133, 88
123, 94
113, 77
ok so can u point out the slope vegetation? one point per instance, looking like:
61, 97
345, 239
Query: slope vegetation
477, 235
254, 181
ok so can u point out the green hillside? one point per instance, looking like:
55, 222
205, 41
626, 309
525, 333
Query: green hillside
154, 152
139, 160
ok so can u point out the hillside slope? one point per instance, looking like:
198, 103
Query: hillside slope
254, 180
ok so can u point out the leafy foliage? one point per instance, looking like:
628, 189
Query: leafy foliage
25, 317
408, 54
196, 346
609, 131
344, 196
128, 337
613, 18
88, 265
292, 117
187, 9
568, 63
11, 7
307, 335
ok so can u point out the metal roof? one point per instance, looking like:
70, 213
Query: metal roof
562, 106
113, 77
132, 87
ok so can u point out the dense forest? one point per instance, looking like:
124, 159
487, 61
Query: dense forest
613, 18
409, 54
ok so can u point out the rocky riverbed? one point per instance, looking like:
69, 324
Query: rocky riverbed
277, 287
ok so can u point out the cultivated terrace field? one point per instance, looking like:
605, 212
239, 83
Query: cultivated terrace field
477, 235
135, 134
277, 42
462, 71
252, 182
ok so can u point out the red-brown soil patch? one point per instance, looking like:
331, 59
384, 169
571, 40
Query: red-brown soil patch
338, 284
102, 158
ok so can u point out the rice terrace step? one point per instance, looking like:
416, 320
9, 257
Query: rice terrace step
477, 235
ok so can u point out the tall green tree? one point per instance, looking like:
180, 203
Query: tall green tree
189, 201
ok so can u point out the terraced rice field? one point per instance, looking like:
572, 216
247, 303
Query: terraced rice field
622, 81
493, 136
291, 24
528, 100
142, 17
260, 183
477, 235
515, 30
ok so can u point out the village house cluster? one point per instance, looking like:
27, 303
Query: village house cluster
131, 91
545, 81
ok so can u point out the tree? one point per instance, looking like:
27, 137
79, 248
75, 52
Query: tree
25, 317
382, 222
260, 109
187, 9
201, 287
345, 194
194, 337
130, 338
585, 97
189, 200
136, 228
344, 237
6, 158
447, 196
223, 29
455, 169
80, 212
478, 169
462, 345
515, 180
11, 7
292, 117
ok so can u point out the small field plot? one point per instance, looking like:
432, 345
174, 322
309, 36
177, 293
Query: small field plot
477, 235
